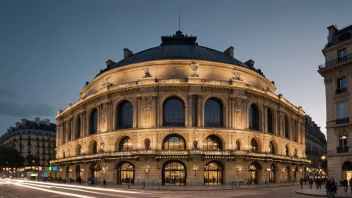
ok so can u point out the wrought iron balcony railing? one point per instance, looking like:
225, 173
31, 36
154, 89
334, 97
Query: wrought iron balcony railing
342, 149
336, 61
343, 120
341, 90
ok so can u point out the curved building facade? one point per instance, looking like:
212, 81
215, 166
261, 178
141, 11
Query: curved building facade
181, 114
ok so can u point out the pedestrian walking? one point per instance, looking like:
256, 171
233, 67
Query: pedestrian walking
351, 184
310, 183
345, 185
301, 183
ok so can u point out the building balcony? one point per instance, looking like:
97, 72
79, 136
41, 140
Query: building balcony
339, 60
342, 120
341, 90
342, 149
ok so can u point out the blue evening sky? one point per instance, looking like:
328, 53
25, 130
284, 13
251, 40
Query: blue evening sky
49, 49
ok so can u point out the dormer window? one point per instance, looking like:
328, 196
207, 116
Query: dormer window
344, 37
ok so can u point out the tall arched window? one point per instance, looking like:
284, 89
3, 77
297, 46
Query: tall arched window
125, 144
124, 115
295, 153
69, 131
254, 146
125, 173
213, 173
212, 142
174, 173
271, 148
213, 115
174, 112
286, 127
253, 117
174, 142
286, 150
238, 145
78, 128
93, 122
270, 121
95, 147
79, 150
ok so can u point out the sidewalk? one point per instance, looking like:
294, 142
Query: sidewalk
186, 188
322, 192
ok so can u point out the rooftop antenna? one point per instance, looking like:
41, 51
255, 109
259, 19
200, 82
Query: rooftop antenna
179, 21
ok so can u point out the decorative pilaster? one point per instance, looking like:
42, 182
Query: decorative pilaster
200, 122
154, 112
265, 115
190, 105
138, 113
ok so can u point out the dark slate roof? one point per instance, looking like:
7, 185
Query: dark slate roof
340, 36
178, 46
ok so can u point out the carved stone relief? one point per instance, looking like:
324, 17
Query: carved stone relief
238, 111
147, 111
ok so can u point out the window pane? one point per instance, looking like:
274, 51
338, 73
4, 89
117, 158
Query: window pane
342, 110
124, 115
174, 113
213, 113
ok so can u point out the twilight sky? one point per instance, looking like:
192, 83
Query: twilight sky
49, 49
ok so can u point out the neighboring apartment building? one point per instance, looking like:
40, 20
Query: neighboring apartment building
337, 73
315, 148
32, 137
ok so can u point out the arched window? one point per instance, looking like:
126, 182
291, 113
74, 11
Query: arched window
174, 142
174, 173
174, 112
125, 144
270, 121
212, 142
213, 173
286, 127
213, 115
286, 150
78, 128
147, 144
254, 146
93, 122
238, 145
125, 173
69, 131
253, 172
271, 148
272, 173
124, 115
295, 153
95, 147
253, 117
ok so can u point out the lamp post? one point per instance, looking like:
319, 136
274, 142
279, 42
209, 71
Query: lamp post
195, 169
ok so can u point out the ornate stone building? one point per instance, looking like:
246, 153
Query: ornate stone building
315, 149
181, 114
35, 138
337, 72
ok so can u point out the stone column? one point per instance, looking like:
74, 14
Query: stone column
265, 115
73, 131
138, 113
154, 112
190, 111
81, 125
200, 122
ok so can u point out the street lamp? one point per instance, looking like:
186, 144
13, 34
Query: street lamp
195, 169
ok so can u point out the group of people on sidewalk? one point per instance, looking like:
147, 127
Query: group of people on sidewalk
330, 186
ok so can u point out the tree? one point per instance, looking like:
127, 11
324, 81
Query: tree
32, 160
10, 157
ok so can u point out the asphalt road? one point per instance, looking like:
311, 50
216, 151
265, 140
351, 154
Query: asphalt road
16, 189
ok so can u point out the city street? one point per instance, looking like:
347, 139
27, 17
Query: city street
28, 189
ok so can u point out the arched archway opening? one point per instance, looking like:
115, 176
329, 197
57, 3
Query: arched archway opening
125, 173
94, 169
271, 148
238, 145
272, 173
212, 142
174, 173
174, 142
253, 117
78, 173
254, 146
213, 173
93, 122
125, 144
254, 170
270, 121
347, 170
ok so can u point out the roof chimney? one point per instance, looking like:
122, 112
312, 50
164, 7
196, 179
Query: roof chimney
229, 51
127, 53
109, 63
24, 122
18, 125
250, 63
332, 30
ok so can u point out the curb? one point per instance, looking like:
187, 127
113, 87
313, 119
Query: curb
315, 195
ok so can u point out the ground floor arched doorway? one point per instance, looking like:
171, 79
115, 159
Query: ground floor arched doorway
94, 169
253, 172
272, 173
347, 170
213, 173
125, 173
174, 173
287, 176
